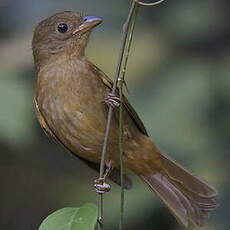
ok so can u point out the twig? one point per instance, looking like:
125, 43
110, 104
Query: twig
110, 113
127, 31
121, 83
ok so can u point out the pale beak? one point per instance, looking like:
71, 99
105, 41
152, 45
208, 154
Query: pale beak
89, 23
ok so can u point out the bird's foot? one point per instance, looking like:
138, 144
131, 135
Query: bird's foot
101, 186
112, 100
99, 221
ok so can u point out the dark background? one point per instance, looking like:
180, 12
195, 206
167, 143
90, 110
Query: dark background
178, 75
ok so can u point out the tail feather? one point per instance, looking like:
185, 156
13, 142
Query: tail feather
185, 179
189, 198
176, 204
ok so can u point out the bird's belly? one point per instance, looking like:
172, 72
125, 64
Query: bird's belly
82, 132
80, 127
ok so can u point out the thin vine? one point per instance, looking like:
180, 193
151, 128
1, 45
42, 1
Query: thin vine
121, 132
119, 80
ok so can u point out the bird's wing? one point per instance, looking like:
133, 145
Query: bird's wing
131, 111
114, 175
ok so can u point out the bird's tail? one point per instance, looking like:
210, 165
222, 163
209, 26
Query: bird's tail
189, 198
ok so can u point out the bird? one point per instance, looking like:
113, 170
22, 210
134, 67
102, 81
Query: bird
72, 98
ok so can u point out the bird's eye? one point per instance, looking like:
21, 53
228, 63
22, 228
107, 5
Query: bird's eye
62, 28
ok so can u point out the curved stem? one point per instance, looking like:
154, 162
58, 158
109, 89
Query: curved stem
150, 3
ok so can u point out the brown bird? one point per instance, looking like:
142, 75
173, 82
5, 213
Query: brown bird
69, 100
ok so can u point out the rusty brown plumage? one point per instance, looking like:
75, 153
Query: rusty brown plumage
69, 101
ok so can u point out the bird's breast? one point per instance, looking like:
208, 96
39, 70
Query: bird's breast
73, 107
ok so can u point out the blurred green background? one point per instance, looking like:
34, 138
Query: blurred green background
178, 77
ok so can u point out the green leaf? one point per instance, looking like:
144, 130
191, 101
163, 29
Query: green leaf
83, 218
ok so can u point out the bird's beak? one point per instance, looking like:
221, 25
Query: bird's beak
88, 24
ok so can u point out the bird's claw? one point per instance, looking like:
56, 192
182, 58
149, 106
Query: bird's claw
112, 100
99, 220
100, 186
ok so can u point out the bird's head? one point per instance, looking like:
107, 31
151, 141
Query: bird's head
62, 32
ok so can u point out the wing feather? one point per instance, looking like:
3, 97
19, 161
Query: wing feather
131, 111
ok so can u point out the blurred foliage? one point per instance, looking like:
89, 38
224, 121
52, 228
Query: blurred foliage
178, 75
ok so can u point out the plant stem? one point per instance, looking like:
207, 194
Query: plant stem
125, 46
110, 113
121, 82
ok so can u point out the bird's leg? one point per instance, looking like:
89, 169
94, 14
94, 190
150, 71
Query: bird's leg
112, 100
100, 184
